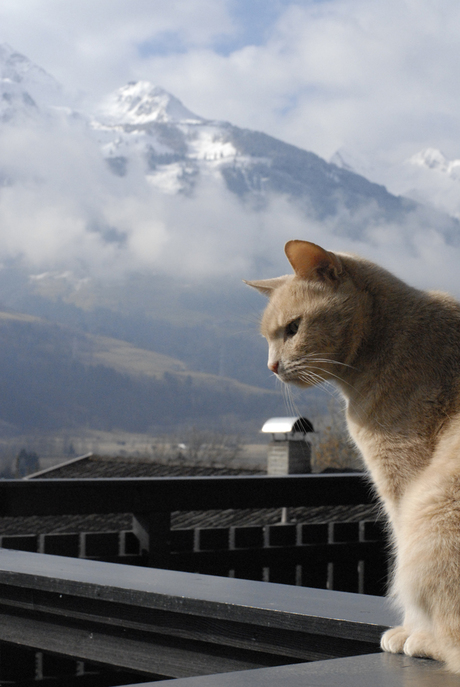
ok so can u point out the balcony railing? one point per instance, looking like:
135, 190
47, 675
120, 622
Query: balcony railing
346, 556
205, 631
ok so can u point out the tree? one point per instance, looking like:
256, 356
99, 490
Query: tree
26, 463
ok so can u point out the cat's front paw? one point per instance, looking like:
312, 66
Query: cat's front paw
393, 640
421, 644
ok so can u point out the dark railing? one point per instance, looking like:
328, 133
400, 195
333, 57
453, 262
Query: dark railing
148, 625
345, 556
144, 625
172, 624
167, 494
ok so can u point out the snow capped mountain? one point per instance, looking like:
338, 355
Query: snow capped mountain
147, 209
141, 103
433, 159
25, 88
432, 178
143, 122
143, 127
428, 159
428, 177
141, 140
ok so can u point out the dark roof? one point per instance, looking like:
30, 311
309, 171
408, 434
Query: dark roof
107, 466
272, 516
52, 524
103, 466
117, 522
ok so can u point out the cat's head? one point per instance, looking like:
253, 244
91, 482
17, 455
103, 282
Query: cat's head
315, 317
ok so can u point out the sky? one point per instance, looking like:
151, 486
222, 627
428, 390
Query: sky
376, 77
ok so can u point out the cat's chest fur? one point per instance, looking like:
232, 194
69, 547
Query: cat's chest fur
394, 461
401, 411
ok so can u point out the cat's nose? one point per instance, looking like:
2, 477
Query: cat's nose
273, 367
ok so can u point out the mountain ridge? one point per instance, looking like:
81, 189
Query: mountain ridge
143, 123
109, 257
52, 377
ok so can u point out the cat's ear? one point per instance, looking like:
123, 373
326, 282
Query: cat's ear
267, 286
310, 261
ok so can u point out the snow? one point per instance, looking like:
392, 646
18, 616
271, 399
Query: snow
143, 103
129, 124
209, 144
428, 177
141, 118
125, 126
167, 178
19, 73
433, 159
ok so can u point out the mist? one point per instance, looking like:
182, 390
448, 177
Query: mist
62, 209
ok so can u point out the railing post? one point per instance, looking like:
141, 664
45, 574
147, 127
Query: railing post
154, 533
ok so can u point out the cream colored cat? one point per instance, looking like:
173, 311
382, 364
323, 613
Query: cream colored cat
394, 352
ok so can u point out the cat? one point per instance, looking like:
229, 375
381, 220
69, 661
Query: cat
394, 352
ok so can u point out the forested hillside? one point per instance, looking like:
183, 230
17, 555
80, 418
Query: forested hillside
53, 376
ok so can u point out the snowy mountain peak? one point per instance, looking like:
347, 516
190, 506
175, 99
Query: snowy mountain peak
14, 66
431, 158
341, 159
23, 81
140, 103
353, 162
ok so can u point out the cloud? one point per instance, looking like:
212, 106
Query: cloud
96, 47
367, 75
67, 211
64, 209
379, 77
376, 76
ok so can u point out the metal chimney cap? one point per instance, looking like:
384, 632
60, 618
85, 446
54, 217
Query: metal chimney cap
287, 425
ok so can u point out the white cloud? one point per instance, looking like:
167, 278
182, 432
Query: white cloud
380, 77
66, 210
360, 73
70, 212
94, 46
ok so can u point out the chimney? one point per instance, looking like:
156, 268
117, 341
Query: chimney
289, 452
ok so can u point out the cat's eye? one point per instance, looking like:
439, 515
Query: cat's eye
292, 328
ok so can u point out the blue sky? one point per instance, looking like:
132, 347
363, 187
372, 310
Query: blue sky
250, 23
375, 77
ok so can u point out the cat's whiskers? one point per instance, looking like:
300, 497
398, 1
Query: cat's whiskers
306, 364
289, 400
328, 387
363, 415
357, 405
310, 377
340, 379
315, 379
317, 358
334, 362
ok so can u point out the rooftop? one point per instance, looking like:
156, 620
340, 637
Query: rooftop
94, 466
